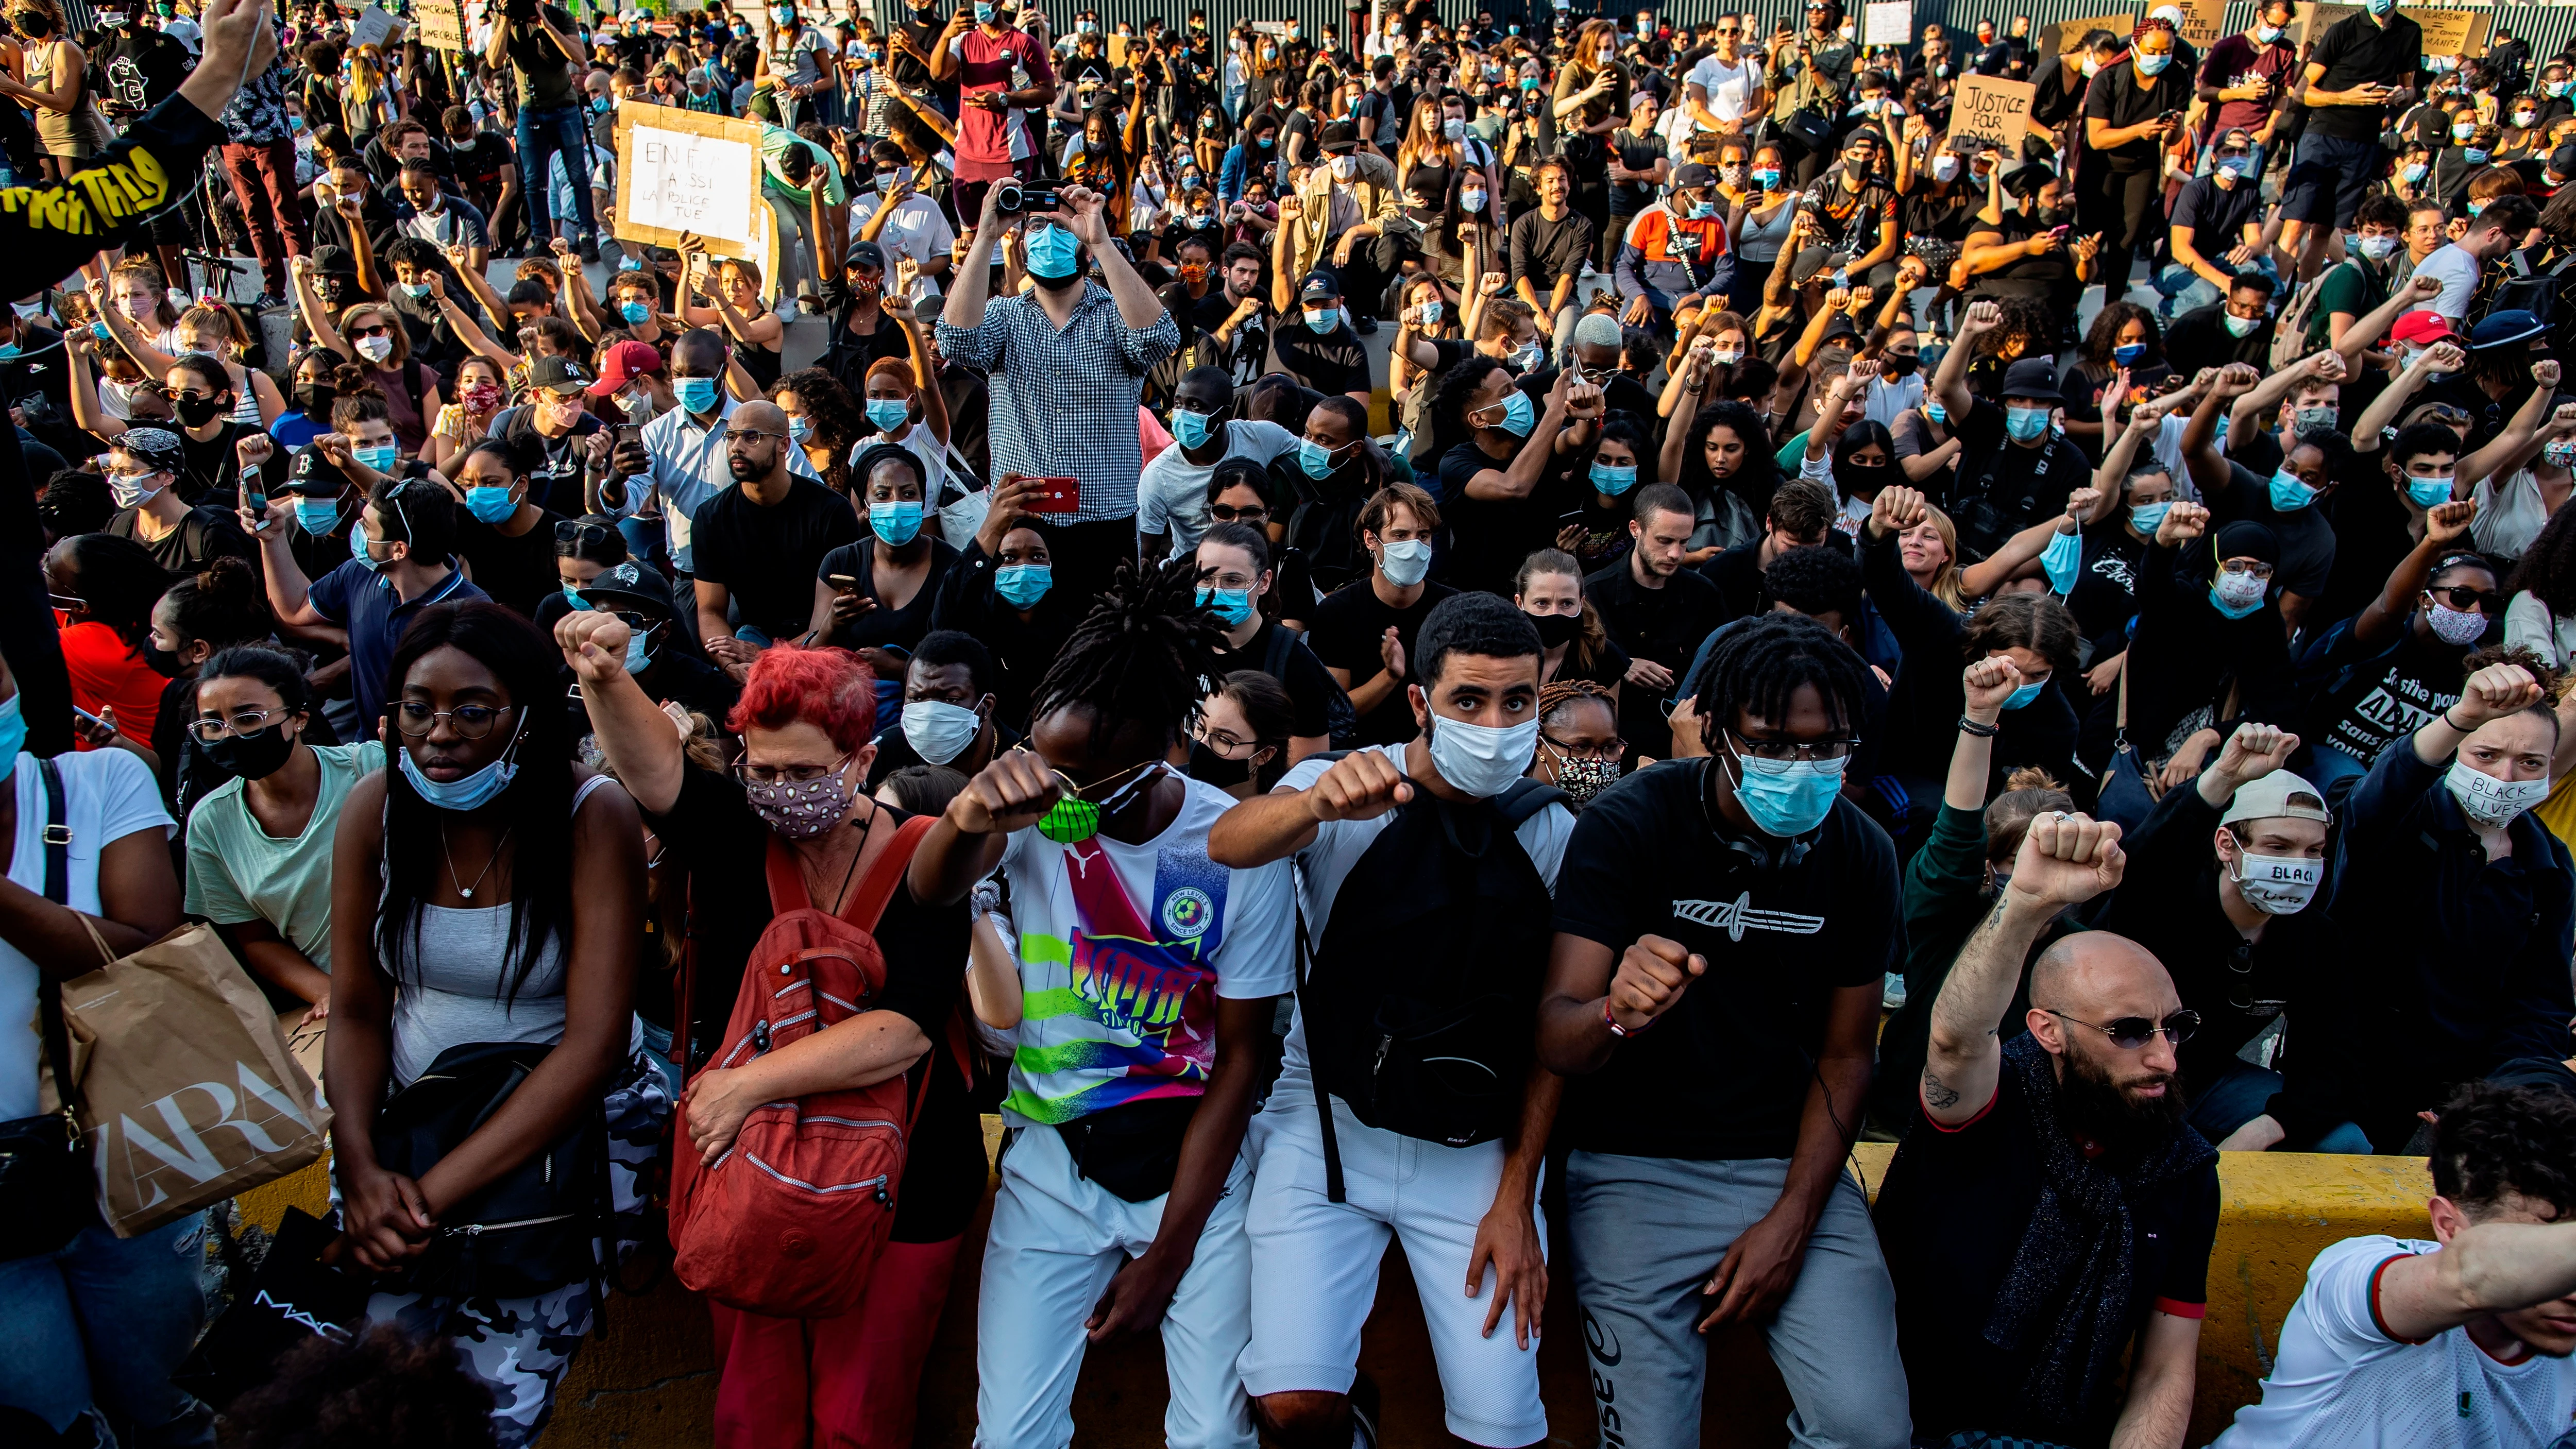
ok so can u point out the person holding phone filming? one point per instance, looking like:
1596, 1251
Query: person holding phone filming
1067, 349
2131, 113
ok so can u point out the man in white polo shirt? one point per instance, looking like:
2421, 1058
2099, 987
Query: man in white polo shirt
2462, 1341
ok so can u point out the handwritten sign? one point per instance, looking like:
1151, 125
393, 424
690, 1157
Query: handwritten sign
2203, 22
1888, 22
685, 171
2453, 32
2066, 36
1994, 110
375, 26
439, 23
2315, 19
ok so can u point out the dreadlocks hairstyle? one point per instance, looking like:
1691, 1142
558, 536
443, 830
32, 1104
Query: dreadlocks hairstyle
1765, 660
1146, 651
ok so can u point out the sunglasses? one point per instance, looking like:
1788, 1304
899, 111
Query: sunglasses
2464, 598
377, 329
575, 533
2132, 1032
1227, 513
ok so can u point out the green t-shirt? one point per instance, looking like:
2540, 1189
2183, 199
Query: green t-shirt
2346, 288
238, 872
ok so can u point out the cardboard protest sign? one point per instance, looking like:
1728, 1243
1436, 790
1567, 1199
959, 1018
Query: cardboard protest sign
375, 26
2203, 23
439, 23
1888, 22
1993, 110
2066, 35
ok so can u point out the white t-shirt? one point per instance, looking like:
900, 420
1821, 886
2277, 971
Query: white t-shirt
1171, 494
1730, 88
2341, 1380
918, 442
107, 796
1338, 846
2511, 513
2458, 273
1119, 1001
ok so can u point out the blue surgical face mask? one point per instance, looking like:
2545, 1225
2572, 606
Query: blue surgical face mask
2128, 353
1022, 585
317, 516
2062, 559
600, 105
2146, 518
1405, 561
2289, 495
889, 413
697, 394
2025, 423
2414, 172
416, 290
2475, 157
635, 313
1703, 211
573, 597
2025, 694
2235, 167
1614, 479
629, 262
489, 504
639, 651
1189, 428
1519, 414
13, 730
1053, 252
2429, 491
380, 456
1787, 798
1232, 606
895, 524
799, 427
1766, 177
471, 793
1314, 458
1937, 413
1482, 760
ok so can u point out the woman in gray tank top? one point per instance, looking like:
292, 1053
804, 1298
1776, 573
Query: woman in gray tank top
486, 889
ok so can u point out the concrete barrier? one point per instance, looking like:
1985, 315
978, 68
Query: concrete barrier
649, 1381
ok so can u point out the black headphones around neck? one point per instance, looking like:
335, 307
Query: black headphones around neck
1762, 852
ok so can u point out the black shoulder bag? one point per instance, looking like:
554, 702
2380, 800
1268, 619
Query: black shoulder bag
45, 1192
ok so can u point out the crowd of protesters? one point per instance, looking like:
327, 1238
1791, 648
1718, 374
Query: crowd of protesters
1317, 584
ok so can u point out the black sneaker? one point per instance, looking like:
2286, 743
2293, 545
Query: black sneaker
589, 247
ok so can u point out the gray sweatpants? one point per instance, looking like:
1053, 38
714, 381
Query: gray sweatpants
1646, 1232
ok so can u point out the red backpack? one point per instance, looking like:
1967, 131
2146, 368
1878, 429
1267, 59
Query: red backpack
789, 1221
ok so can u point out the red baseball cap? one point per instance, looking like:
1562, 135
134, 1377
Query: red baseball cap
623, 364
2417, 329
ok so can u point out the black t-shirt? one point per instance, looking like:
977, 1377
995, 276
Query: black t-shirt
2023, 485
1637, 153
2377, 694
137, 69
539, 63
1951, 1218
2358, 51
205, 535
477, 167
1540, 250
1724, 1075
882, 627
212, 471
2105, 597
1334, 361
1310, 689
1350, 625
2217, 214
2121, 97
555, 484
1929, 212
1665, 625
713, 834
2199, 338
517, 572
769, 557
1489, 537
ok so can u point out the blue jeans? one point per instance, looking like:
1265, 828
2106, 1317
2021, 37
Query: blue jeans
2222, 1106
543, 133
99, 1324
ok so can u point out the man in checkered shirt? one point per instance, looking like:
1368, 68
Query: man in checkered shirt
1068, 360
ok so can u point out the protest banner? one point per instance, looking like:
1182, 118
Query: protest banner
1888, 22
439, 23
2066, 35
689, 171
2203, 23
375, 26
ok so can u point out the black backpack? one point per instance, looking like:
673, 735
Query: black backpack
1419, 1001
1323, 524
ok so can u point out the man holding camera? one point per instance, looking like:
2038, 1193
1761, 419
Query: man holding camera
538, 43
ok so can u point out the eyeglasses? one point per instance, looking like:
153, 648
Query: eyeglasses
1606, 750
1224, 744
2237, 566
2132, 1032
415, 718
2462, 597
751, 774
1783, 751
1228, 513
753, 435
180, 394
211, 728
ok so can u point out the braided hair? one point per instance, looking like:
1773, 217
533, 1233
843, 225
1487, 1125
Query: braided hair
1761, 663
1146, 652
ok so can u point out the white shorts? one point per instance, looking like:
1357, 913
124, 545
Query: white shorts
1057, 1238
1315, 1264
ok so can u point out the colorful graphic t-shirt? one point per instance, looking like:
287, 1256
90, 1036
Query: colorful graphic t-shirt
1123, 952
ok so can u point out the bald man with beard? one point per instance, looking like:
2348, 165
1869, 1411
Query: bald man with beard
760, 543
2050, 1205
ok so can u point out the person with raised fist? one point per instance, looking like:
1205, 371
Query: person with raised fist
1740, 893
2051, 1204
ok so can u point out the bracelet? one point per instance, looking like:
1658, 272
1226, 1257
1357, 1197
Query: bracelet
1968, 726
2464, 729
1612, 1022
